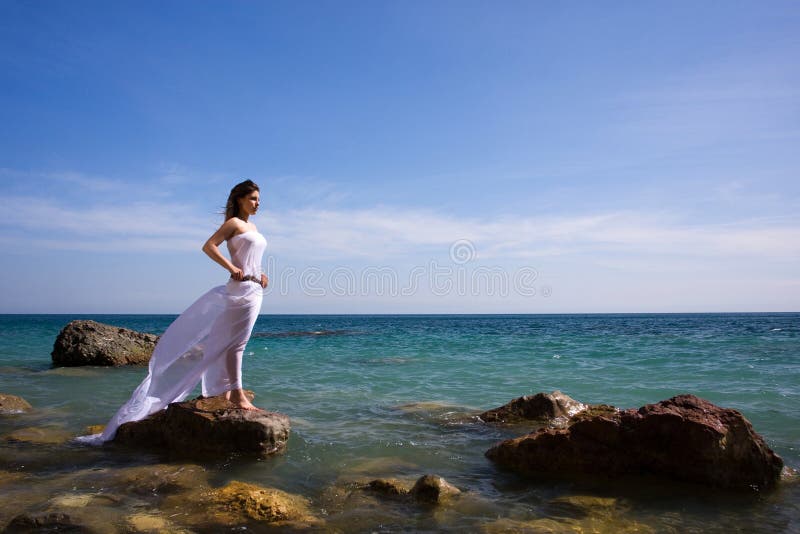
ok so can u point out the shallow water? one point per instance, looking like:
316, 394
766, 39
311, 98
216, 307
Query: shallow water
392, 396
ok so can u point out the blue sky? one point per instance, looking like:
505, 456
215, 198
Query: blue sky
414, 157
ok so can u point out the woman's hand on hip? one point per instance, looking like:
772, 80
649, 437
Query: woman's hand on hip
264, 280
237, 274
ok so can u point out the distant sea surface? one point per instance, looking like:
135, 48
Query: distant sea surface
385, 395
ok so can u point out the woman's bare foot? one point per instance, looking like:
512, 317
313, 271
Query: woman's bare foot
239, 400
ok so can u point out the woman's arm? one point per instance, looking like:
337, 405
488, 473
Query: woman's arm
211, 247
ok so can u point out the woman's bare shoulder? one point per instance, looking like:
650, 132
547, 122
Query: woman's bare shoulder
235, 226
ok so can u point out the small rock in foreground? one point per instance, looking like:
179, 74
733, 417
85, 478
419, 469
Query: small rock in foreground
208, 426
240, 506
93, 343
684, 438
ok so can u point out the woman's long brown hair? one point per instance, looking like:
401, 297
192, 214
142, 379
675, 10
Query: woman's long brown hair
239, 190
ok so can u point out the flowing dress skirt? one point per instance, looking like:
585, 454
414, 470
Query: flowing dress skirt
204, 344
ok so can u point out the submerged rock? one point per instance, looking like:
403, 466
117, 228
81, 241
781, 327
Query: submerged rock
260, 503
152, 522
433, 489
93, 429
11, 404
208, 426
541, 407
92, 343
387, 487
428, 489
239, 504
685, 438
157, 479
56, 521
40, 435
573, 513
10, 477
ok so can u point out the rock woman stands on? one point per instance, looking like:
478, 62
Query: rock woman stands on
206, 342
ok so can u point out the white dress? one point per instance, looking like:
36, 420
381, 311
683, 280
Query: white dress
204, 344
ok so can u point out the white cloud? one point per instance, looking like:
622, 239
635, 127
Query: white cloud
390, 232
138, 226
382, 234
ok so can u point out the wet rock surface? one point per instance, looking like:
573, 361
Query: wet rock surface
11, 404
433, 489
387, 487
156, 479
49, 522
239, 504
541, 407
260, 503
427, 489
684, 438
574, 513
43, 435
84, 342
208, 427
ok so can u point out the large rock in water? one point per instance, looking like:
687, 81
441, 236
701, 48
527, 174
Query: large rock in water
208, 427
93, 343
684, 438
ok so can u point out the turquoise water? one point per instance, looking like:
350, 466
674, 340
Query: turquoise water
345, 390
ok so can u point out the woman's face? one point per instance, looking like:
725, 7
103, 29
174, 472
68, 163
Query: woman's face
249, 203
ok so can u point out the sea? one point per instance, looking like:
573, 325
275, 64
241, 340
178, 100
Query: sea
395, 396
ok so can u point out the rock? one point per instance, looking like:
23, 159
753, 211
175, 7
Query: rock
94, 429
239, 504
579, 506
39, 435
388, 487
546, 525
158, 479
11, 404
574, 513
684, 438
790, 475
55, 521
438, 413
10, 477
208, 426
433, 489
380, 466
74, 500
93, 343
151, 522
542, 407
261, 504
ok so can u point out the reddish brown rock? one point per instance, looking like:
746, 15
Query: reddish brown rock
208, 426
93, 343
684, 438
542, 407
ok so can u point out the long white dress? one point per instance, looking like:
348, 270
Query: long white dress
204, 344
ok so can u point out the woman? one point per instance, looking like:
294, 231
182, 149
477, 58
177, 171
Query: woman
205, 343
